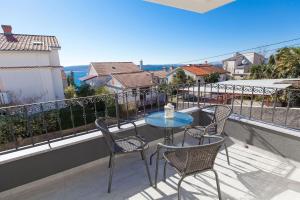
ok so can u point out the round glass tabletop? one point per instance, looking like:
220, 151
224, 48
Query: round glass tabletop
158, 119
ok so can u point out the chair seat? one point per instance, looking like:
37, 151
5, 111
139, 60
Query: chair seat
176, 159
129, 144
198, 131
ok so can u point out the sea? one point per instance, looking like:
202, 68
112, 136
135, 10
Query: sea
82, 70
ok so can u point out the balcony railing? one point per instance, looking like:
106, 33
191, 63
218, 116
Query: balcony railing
32, 124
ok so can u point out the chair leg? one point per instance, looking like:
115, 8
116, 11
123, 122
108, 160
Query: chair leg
165, 171
156, 169
227, 155
184, 134
147, 167
142, 155
109, 163
111, 173
178, 187
218, 184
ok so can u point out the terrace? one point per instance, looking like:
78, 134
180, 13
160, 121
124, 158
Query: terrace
51, 150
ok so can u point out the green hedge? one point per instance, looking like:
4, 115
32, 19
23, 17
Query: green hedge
34, 124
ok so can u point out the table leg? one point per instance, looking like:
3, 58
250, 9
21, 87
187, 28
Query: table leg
168, 139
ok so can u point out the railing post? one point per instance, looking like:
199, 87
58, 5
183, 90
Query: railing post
198, 95
274, 105
242, 99
287, 107
117, 109
251, 103
232, 98
262, 104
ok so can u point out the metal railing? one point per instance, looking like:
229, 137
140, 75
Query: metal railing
32, 124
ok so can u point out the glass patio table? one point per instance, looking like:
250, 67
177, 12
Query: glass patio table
158, 119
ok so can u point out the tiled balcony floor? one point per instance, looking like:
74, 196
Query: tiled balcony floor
253, 174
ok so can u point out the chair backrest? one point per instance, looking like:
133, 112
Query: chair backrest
221, 114
102, 126
202, 157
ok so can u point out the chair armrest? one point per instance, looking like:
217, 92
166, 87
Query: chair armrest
130, 122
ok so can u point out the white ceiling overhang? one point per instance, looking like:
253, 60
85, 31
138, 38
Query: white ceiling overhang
199, 6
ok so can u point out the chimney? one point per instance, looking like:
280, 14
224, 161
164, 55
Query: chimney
206, 62
152, 77
7, 29
141, 65
164, 68
171, 68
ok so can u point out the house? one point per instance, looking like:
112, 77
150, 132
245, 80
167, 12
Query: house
199, 71
100, 72
240, 63
160, 76
30, 68
138, 86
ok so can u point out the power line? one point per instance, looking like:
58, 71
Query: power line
241, 51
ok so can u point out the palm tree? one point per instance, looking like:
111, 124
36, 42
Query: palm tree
262, 71
287, 62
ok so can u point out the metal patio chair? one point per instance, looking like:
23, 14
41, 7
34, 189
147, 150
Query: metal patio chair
117, 145
191, 160
216, 127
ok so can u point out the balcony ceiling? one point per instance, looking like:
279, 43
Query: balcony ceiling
199, 6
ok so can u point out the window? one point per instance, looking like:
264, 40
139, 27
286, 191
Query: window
134, 92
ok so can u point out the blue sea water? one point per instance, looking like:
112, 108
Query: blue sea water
82, 70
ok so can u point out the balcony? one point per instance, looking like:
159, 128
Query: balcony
72, 163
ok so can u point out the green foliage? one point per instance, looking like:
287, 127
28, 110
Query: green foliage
102, 90
263, 71
212, 78
70, 92
182, 78
285, 63
53, 120
85, 90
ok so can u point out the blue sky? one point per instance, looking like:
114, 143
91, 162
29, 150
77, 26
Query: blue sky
130, 30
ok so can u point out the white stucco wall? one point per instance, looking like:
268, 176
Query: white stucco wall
29, 58
32, 84
229, 66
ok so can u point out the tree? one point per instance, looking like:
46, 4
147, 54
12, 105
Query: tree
180, 77
85, 90
212, 78
190, 80
70, 79
262, 71
102, 90
287, 62
70, 92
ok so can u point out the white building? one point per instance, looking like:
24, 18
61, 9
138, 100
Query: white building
240, 63
30, 68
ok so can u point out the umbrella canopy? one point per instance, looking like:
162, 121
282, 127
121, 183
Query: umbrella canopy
199, 6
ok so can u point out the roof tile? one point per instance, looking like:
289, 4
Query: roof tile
23, 42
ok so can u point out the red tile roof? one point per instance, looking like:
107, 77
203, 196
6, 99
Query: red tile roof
134, 79
204, 70
107, 68
23, 42
160, 73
